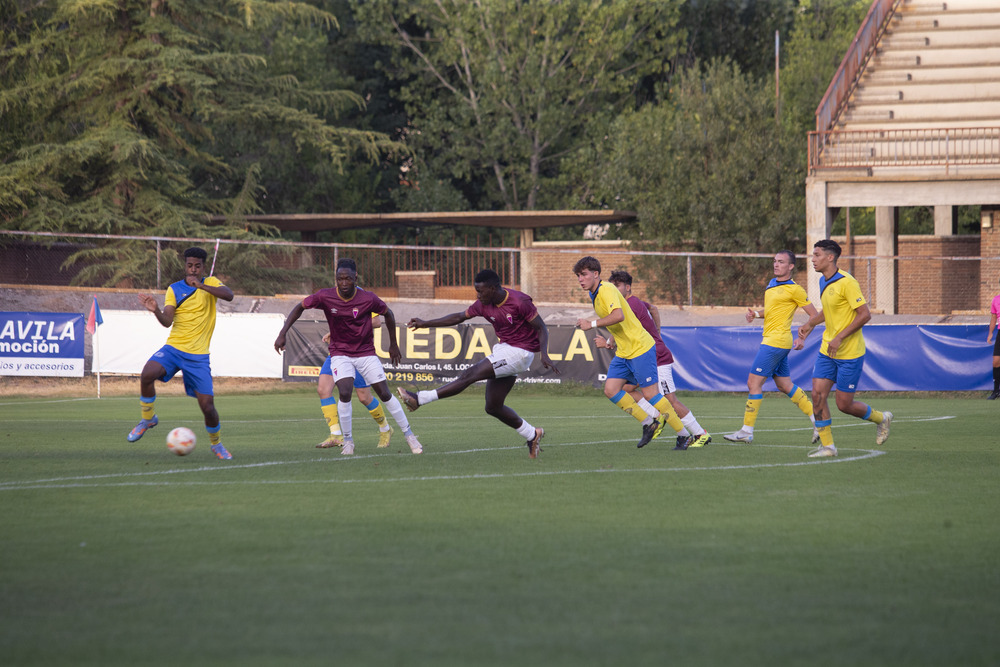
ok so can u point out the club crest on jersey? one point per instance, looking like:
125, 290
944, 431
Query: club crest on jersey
356, 312
510, 318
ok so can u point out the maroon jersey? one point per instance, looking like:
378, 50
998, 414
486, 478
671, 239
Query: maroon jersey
510, 319
641, 310
350, 321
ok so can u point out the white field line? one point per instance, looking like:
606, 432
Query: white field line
82, 480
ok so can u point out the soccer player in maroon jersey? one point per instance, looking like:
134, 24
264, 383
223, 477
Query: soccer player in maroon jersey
348, 310
521, 333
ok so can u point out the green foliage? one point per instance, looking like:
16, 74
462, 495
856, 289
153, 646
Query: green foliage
708, 170
138, 110
498, 90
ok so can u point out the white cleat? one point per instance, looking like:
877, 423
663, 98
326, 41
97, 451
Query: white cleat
740, 436
882, 430
348, 448
821, 452
414, 444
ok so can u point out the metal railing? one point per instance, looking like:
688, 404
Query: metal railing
904, 148
860, 51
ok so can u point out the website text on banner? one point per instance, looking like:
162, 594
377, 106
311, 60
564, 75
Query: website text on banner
41, 344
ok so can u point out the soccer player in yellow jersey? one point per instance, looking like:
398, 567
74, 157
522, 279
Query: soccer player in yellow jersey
635, 354
782, 297
189, 310
842, 353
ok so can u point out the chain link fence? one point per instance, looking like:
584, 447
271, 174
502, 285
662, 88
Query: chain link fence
924, 285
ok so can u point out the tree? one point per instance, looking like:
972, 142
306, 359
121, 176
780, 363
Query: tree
497, 91
118, 110
709, 170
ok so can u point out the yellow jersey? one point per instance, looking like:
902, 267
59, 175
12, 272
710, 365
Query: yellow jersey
840, 296
781, 300
194, 316
631, 338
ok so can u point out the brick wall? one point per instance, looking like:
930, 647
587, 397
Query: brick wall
549, 276
923, 286
989, 279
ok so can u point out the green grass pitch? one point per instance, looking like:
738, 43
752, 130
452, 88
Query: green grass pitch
596, 553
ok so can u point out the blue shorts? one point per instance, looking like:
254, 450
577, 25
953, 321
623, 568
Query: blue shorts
196, 368
845, 373
640, 371
771, 362
359, 382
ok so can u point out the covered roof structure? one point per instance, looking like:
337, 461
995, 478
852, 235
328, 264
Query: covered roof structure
312, 223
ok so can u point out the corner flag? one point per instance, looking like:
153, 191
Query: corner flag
94, 320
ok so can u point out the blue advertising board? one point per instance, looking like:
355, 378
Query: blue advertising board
42, 344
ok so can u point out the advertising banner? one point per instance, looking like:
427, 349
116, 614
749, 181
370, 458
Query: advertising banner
41, 344
436, 356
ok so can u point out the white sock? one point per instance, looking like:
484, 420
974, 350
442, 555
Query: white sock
426, 396
691, 423
748, 429
344, 412
526, 430
648, 408
395, 409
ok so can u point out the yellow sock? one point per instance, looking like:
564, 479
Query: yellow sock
378, 414
801, 399
825, 434
146, 409
215, 437
332, 420
629, 406
875, 416
752, 409
667, 410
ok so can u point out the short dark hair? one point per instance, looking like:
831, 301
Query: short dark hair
487, 277
829, 245
196, 252
347, 263
586, 263
791, 256
620, 276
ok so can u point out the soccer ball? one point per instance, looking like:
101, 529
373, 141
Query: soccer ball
181, 441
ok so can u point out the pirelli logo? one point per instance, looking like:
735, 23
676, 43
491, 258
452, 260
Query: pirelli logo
303, 371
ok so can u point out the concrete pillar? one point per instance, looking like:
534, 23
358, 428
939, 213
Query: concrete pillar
886, 234
819, 224
945, 220
528, 282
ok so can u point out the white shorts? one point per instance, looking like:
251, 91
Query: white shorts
510, 360
370, 368
665, 374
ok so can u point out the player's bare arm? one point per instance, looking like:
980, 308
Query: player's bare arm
614, 317
165, 317
296, 312
390, 324
443, 321
538, 324
219, 292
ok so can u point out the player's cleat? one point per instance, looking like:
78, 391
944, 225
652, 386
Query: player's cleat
682, 442
647, 433
882, 430
383, 437
815, 437
348, 448
332, 441
823, 451
699, 440
221, 452
408, 398
535, 444
740, 436
140, 428
993, 396
659, 429
414, 444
